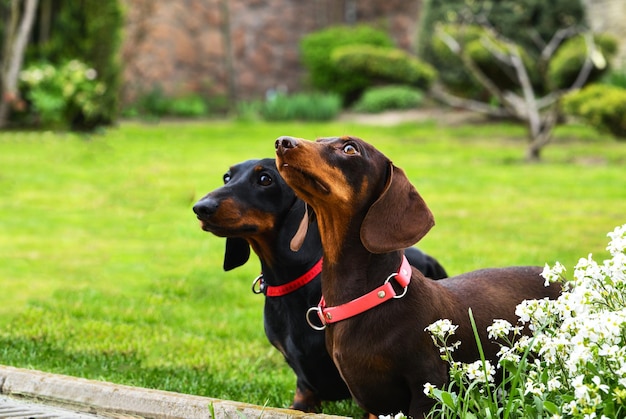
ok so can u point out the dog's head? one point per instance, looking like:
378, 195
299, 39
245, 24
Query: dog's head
348, 180
247, 210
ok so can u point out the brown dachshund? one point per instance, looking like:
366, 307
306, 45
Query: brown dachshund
376, 307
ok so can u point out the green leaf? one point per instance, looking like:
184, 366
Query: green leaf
449, 399
550, 407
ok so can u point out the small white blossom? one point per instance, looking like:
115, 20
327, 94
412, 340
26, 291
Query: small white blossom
499, 329
476, 371
91, 74
553, 274
428, 388
442, 328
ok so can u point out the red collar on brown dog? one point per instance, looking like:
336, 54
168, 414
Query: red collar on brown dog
366, 302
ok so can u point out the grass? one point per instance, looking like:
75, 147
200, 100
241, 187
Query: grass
106, 275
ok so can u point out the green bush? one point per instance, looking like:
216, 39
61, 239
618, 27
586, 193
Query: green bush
61, 96
190, 105
316, 49
383, 98
301, 106
89, 31
382, 64
600, 105
156, 104
570, 57
615, 78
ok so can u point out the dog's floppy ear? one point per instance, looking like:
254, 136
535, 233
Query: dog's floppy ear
237, 253
399, 218
298, 239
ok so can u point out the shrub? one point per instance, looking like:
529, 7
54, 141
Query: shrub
90, 31
156, 104
61, 96
615, 78
570, 57
382, 64
316, 49
190, 105
383, 98
602, 106
572, 366
301, 106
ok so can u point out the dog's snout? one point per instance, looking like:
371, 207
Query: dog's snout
205, 208
286, 142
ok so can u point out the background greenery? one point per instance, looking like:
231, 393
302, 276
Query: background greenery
105, 273
89, 31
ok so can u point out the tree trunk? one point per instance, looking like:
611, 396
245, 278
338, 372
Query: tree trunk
15, 47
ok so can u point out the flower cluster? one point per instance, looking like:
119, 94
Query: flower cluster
574, 363
61, 94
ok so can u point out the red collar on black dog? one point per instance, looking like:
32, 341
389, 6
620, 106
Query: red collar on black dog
368, 301
289, 287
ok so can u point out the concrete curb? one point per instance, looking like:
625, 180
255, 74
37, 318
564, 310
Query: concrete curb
119, 401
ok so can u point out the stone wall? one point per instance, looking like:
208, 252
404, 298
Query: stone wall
238, 48
242, 48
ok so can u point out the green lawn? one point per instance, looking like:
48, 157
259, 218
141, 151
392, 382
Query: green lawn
105, 273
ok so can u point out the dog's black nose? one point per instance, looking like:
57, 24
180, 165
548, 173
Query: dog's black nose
206, 207
286, 142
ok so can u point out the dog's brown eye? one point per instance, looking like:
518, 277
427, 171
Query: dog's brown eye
349, 149
265, 180
226, 177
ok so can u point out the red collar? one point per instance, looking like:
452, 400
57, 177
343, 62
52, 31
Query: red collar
368, 301
289, 287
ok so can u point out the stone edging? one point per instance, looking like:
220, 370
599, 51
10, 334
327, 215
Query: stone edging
119, 401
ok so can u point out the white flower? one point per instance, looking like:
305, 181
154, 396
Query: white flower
428, 388
478, 372
553, 274
91, 74
499, 329
442, 328
618, 240
553, 384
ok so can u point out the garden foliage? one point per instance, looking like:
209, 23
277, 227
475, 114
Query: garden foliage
573, 365
317, 48
383, 98
527, 23
61, 95
382, 65
569, 58
601, 105
88, 31
301, 106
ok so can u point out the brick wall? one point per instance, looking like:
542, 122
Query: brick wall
238, 48
242, 48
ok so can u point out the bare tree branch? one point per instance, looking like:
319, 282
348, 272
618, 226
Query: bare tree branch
470, 65
532, 111
559, 36
588, 65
